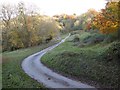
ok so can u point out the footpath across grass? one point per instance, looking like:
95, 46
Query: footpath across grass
92, 64
12, 74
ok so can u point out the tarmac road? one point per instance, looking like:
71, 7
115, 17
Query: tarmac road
36, 70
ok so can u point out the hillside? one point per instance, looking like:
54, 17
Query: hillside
12, 74
87, 57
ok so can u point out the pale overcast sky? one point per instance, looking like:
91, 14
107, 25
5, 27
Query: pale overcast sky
52, 7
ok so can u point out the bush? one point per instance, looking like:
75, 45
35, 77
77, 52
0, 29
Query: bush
94, 38
75, 32
111, 37
84, 35
74, 38
113, 52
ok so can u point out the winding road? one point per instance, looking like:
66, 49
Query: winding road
36, 70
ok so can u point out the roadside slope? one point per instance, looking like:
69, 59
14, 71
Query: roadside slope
12, 74
94, 63
35, 69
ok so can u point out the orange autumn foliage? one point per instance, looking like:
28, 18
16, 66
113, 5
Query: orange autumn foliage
107, 20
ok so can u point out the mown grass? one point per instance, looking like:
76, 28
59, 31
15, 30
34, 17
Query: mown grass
12, 74
88, 64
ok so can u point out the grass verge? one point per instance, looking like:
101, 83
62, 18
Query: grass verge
90, 64
12, 74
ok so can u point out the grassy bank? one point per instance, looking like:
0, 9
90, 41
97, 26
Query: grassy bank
89, 62
12, 74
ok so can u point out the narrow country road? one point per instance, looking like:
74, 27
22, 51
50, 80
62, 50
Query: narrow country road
36, 70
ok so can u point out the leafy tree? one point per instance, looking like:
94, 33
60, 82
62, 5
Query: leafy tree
107, 21
6, 15
22, 28
84, 21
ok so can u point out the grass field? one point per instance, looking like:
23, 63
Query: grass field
12, 74
89, 64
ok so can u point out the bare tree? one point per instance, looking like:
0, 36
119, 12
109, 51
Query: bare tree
6, 15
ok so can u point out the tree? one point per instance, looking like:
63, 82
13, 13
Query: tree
6, 15
108, 20
22, 27
24, 21
84, 21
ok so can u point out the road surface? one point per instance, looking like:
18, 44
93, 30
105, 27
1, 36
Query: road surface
36, 70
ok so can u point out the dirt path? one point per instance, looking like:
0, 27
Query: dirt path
36, 70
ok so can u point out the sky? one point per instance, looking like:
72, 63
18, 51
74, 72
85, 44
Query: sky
53, 7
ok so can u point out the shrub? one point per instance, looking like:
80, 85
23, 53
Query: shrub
75, 32
74, 38
94, 38
113, 52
